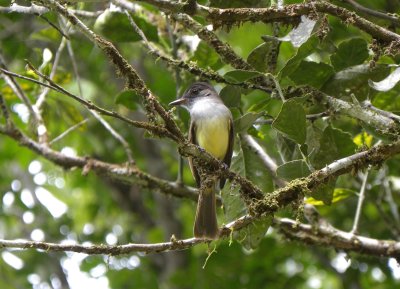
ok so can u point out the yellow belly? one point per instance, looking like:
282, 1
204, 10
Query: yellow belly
213, 136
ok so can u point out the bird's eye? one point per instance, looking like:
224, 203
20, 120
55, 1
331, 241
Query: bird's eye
195, 90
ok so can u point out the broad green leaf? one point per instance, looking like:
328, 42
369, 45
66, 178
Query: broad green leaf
388, 83
206, 57
243, 123
324, 192
339, 194
129, 99
350, 53
293, 170
258, 57
239, 76
299, 35
355, 80
251, 236
291, 121
312, 73
230, 95
304, 50
334, 144
115, 26
255, 169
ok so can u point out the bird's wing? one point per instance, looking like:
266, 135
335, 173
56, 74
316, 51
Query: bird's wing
192, 139
229, 151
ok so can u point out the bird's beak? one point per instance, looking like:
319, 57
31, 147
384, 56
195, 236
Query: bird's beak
179, 101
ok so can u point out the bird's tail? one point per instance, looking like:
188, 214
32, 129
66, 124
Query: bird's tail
205, 223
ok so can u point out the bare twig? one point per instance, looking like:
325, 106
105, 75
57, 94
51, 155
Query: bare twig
72, 128
367, 11
361, 198
42, 97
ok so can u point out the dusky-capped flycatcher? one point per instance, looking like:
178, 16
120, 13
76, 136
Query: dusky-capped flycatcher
211, 127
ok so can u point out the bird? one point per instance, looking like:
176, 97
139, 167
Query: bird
211, 128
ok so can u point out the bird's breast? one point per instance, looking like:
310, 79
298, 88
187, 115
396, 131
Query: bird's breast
212, 129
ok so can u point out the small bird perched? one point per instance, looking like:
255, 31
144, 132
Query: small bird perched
211, 127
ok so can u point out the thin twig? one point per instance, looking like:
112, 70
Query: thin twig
359, 8
54, 26
42, 97
72, 128
105, 124
361, 198
41, 130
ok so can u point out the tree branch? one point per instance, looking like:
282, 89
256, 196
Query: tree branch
287, 14
337, 239
321, 236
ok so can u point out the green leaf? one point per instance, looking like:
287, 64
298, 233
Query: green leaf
259, 56
247, 164
115, 26
324, 192
355, 80
286, 148
251, 236
293, 170
351, 52
304, 50
291, 121
312, 73
206, 57
334, 144
255, 169
243, 123
339, 194
230, 95
129, 99
239, 76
